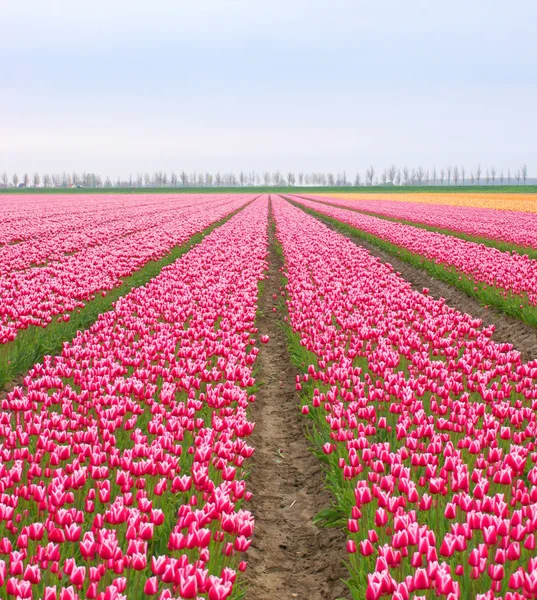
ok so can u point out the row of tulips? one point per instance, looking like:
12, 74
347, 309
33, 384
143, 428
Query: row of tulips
122, 459
507, 280
427, 426
519, 201
37, 231
78, 266
511, 227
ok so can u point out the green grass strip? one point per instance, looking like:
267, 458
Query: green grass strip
392, 190
491, 243
32, 344
510, 304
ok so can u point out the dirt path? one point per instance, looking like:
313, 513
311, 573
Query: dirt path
507, 329
289, 556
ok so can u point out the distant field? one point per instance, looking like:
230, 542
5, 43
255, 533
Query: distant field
375, 190
525, 200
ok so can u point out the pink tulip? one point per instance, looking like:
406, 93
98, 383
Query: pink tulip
151, 586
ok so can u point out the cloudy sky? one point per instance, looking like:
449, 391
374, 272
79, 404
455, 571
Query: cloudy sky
117, 86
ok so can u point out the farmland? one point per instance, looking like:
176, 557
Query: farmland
253, 395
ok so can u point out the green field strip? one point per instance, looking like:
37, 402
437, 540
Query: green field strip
512, 305
373, 190
491, 243
32, 344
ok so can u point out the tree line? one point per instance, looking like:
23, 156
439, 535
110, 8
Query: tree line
450, 175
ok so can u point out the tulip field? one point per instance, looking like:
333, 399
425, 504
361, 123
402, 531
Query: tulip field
513, 228
505, 279
428, 427
524, 202
125, 456
51, 265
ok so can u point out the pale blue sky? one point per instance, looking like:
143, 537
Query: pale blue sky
121, 86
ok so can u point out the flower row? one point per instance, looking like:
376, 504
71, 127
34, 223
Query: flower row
75, 257
122, 459
427, 425
512, 273
513, 227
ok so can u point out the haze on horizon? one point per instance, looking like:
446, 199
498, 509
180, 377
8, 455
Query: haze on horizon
123, 87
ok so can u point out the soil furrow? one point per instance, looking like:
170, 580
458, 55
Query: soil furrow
289, 557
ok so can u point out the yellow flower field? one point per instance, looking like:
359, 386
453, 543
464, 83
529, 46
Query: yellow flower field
518, 202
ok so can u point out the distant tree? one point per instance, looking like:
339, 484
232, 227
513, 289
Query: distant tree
509, 176
107, 182
420, 174
36, 179
47, 181
208, 180
391, 173
147, 179
455, 175
493, 174
463, 175
173, 179
478, 174
487, 176
330, 178
442, 175
384, 177
524, 172
501, 177
518, 175
369, 175
357, 180
184, 178
4, 179
139, 180
434, 175
344, 178
426, 178
26, 179
397, 178
301, 178
242, 178
56, 180
218, 179
448, 174
266, 178
201, 180
291, 178
472, 178
405, 176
